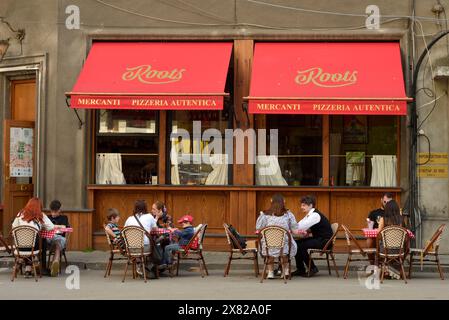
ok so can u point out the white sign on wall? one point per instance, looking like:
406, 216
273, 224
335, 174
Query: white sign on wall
21, 152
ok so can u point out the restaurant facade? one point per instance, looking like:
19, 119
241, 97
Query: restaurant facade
212, 107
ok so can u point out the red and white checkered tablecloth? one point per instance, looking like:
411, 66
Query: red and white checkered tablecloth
160, 231
372, 233
49, 234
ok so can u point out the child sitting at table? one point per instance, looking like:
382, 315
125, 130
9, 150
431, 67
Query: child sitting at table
58, 243
112, 229
184, 236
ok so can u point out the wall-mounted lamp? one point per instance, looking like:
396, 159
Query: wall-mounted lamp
19, 35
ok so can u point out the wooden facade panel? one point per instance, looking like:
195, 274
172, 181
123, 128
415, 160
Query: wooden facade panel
352, 209
81, 237
123, 201
205, 207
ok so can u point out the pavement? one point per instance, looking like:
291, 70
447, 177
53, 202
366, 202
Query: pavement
97, 260
88, 282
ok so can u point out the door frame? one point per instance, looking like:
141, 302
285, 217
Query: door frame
12, 68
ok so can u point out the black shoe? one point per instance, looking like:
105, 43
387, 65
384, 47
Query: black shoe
46, 273
300, 273
313, 271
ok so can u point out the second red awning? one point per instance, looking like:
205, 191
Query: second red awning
153, 75
328, 78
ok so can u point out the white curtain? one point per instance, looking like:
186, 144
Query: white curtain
355, 168
109, 169
219, 174
174, 163
268, 171
384, 171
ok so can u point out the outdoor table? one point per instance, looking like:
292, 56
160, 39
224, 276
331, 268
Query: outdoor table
49, 234
372, 233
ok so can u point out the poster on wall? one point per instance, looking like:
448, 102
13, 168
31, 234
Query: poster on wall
21, 152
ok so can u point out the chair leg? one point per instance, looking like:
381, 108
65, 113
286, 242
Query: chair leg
328, 264
401, 262
410, 266
439, 267
335, 265
264, 269
204, 263
65, 259
126, 270
34, 268
107, 267
144, 270
345, 274
382, 271
256, 265
14, 271
228, 265
177, 263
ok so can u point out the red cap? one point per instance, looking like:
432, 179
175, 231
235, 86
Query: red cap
186, 217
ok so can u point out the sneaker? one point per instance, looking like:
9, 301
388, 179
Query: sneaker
54, 268
300, 273
162, 266
139, 271
28, 274
270, 275
287, 272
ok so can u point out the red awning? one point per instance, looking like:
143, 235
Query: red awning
328, 78
153, 75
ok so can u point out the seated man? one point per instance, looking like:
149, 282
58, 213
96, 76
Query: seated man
58, 242
321, 232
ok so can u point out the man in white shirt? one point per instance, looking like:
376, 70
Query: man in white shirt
320, 231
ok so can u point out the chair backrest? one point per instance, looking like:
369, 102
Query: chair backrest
332, 240
199, 234
274, 238
24, 237
393, 239
434, 242
134, 239
232, 241
351, 239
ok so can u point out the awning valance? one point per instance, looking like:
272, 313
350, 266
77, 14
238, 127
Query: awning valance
153, 75
328, 78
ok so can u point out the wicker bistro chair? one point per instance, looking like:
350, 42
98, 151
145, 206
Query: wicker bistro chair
274, 238
235, 248
392, 249
115, 254
328, 250
134, 242
431, 250
189, 252
362, 253
24, 239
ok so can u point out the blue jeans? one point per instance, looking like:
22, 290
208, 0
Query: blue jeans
169, 249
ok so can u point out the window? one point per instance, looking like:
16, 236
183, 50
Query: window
126, 147
299, 161
363, 150
189, 168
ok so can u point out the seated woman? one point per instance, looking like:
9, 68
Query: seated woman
278, 215
163, 219
33, 216
392, 217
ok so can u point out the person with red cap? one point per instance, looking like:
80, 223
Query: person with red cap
184, 236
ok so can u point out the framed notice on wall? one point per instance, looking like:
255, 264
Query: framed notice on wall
21, 152
355, 129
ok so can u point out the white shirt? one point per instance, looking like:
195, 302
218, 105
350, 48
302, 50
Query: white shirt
148, 222
311, 219
46, 224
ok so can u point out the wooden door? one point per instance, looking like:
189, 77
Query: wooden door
18, 169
